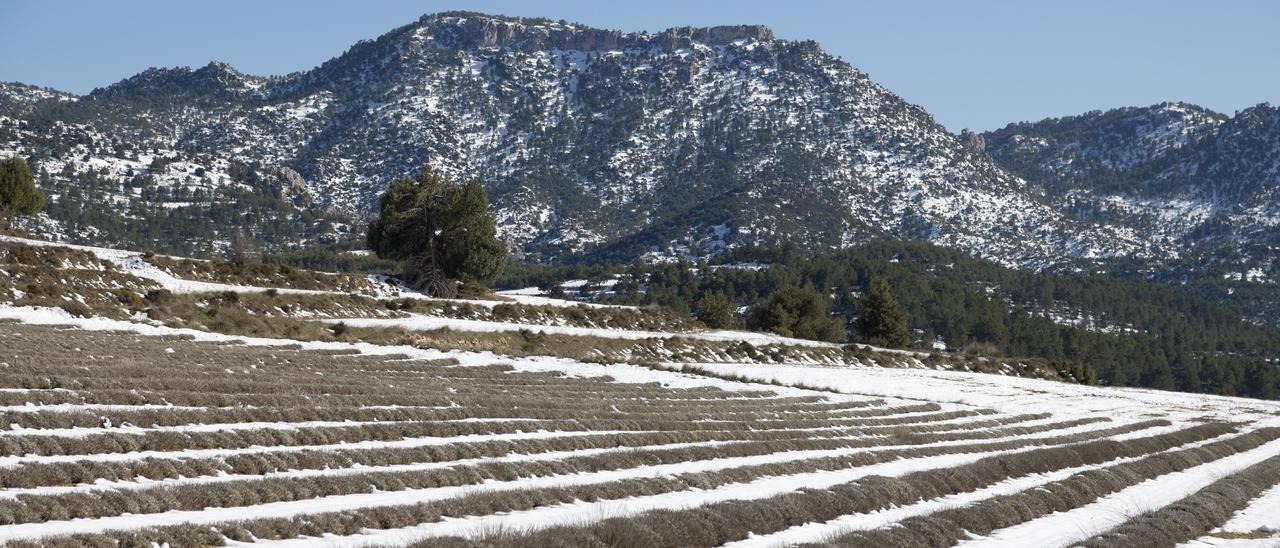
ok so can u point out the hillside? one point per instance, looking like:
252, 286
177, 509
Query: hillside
592, 143
1130, 332
255, 409
1201, 182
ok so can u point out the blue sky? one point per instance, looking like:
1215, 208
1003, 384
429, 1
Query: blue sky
977, 64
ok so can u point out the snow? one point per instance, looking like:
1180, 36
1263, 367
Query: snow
427, 323
1063, 528
544, 517
131, 262
818, 532
329, 472
80, 432
578, 512
619, 372
1262, 514
1008, 394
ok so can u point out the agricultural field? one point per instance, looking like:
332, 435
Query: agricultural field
214, 412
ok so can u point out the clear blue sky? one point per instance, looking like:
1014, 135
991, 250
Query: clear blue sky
977, 63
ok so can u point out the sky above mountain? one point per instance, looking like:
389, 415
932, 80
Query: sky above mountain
978, 64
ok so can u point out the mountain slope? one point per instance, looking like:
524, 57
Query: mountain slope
591, 142
1202, 183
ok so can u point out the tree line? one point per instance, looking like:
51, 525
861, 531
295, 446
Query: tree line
1131, 333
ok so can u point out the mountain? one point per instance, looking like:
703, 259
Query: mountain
1198, 182
599, 144
592, 143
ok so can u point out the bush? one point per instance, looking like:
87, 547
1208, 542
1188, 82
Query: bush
797, 312
1076, 371
26, 255
18, 193
715, 311
130, 298
982, 349
159, 296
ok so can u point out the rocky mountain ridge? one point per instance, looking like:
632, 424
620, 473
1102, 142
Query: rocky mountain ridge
1204, 183
592, 143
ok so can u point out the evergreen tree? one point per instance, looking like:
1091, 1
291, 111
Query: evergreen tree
18, 194
882, 321
715, 310
797, 312
440, 230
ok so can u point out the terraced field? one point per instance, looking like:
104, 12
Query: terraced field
128, 432
119, 437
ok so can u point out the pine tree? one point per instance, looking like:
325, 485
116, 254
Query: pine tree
715, 310
797, 312
882, 321
18, 194
440, 230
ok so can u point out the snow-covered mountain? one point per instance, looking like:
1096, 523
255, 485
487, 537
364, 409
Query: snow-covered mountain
600, 143
1199, 183
590, 142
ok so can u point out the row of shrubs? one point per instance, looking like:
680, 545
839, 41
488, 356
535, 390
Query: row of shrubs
31, 509
36, 474
719, 523
258, 273
951, 526
489, 501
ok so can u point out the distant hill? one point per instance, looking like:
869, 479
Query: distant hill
1204, 185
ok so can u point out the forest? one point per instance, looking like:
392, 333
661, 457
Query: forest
1132, 333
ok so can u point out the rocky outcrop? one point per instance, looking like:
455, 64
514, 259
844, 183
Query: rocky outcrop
292, 186
477, 31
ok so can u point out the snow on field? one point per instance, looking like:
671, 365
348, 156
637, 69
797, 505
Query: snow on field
1256, 526
79, 432
582, 511
1032, 413
626, 373
1262, 541
1007, 393
1063, 528
1262, 514
132, 262
426, 323
818, 532
102, 485
534, 296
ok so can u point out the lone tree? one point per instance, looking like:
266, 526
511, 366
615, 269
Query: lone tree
440, 229
882, 321
797, 312
714, 310
244, 250
18, 194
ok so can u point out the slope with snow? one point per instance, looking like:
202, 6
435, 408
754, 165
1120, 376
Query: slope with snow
185, 437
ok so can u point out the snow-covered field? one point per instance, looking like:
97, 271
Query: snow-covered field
130, 431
